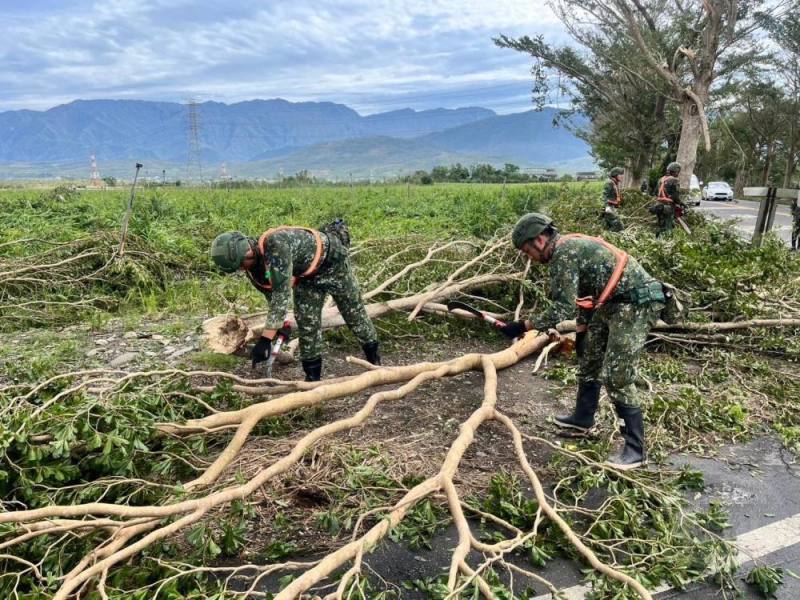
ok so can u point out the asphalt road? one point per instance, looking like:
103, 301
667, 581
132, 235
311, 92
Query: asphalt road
746, 213
758, 483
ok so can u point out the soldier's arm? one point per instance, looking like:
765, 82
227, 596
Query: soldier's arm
563, 292
280, 266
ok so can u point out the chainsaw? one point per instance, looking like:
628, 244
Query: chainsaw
280, 339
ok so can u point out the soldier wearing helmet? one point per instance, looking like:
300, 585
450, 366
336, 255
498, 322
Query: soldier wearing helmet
669, 200
613, 200
615, 303
313, 264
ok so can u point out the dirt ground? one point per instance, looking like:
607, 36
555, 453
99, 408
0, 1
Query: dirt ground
411, 435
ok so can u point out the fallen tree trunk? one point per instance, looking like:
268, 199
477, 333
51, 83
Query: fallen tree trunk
147, 519
227, 333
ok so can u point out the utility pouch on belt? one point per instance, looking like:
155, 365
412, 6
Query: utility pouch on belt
674, 310
650, 292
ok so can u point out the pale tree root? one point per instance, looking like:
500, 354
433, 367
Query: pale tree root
145, 519
443, 481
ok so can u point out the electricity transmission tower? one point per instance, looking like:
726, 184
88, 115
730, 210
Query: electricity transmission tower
194, 167
94, 177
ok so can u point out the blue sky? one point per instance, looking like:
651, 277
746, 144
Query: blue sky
374, 55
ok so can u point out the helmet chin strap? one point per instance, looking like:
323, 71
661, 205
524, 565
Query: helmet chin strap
259, 258
550, 247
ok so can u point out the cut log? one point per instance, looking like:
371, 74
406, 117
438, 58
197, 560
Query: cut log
226, 334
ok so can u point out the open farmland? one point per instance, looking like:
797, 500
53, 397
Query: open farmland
131, 444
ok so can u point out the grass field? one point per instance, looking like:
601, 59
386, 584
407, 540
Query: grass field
94, 351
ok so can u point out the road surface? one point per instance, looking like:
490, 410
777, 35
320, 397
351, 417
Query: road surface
746, 213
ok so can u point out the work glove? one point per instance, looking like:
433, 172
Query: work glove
284, 331
580, 343
514, 329
260, 351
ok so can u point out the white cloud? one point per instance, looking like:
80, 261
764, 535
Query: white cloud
369, 52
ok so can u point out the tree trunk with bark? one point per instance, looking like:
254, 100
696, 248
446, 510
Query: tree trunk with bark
767, 171
742, 177
791, 164
691, 131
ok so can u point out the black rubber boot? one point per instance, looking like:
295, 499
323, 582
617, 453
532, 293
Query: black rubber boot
313, 368
582, 418
632, 455
371, 352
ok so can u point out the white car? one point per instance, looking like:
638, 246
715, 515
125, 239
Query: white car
718, 190
694, 191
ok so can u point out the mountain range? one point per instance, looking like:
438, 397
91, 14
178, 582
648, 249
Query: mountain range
260, 138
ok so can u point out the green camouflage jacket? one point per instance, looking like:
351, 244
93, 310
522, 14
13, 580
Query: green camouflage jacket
582, 267
672, 188
610, 193
288, 253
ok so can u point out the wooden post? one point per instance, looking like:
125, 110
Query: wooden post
767, 201
766, 211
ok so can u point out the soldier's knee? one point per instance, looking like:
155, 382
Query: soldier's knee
617, 377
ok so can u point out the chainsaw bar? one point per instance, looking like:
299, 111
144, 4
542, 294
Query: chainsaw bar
455, 304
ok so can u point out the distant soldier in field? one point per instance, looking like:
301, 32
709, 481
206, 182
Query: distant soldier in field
669, 199
616, 303
796, 224
314, 264
613, 200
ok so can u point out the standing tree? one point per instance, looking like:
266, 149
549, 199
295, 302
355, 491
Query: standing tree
627, 112
673, 50
786, 36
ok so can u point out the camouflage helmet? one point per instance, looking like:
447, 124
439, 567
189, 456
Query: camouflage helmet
528, 227
674, 167
616, 172
228, 250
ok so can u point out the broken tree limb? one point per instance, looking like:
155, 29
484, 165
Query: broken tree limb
148, 519
711, 327
443, 481
436, 293
227, 333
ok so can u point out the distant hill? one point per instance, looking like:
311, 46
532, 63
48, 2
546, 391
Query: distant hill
380, 156
118, 129
262, 137
529, 137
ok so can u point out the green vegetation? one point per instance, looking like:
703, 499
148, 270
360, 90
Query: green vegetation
63, 440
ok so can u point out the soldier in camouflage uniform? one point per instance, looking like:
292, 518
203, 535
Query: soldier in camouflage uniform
796, 224
613, 200
315, 264
669, 197
613, 320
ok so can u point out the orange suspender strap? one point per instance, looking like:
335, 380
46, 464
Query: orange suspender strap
588, 302
618, 200
312, 268
662, 194
309, 272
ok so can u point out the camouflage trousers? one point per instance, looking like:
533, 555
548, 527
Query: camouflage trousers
616, 337
611, 220
666, 220
339, 281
